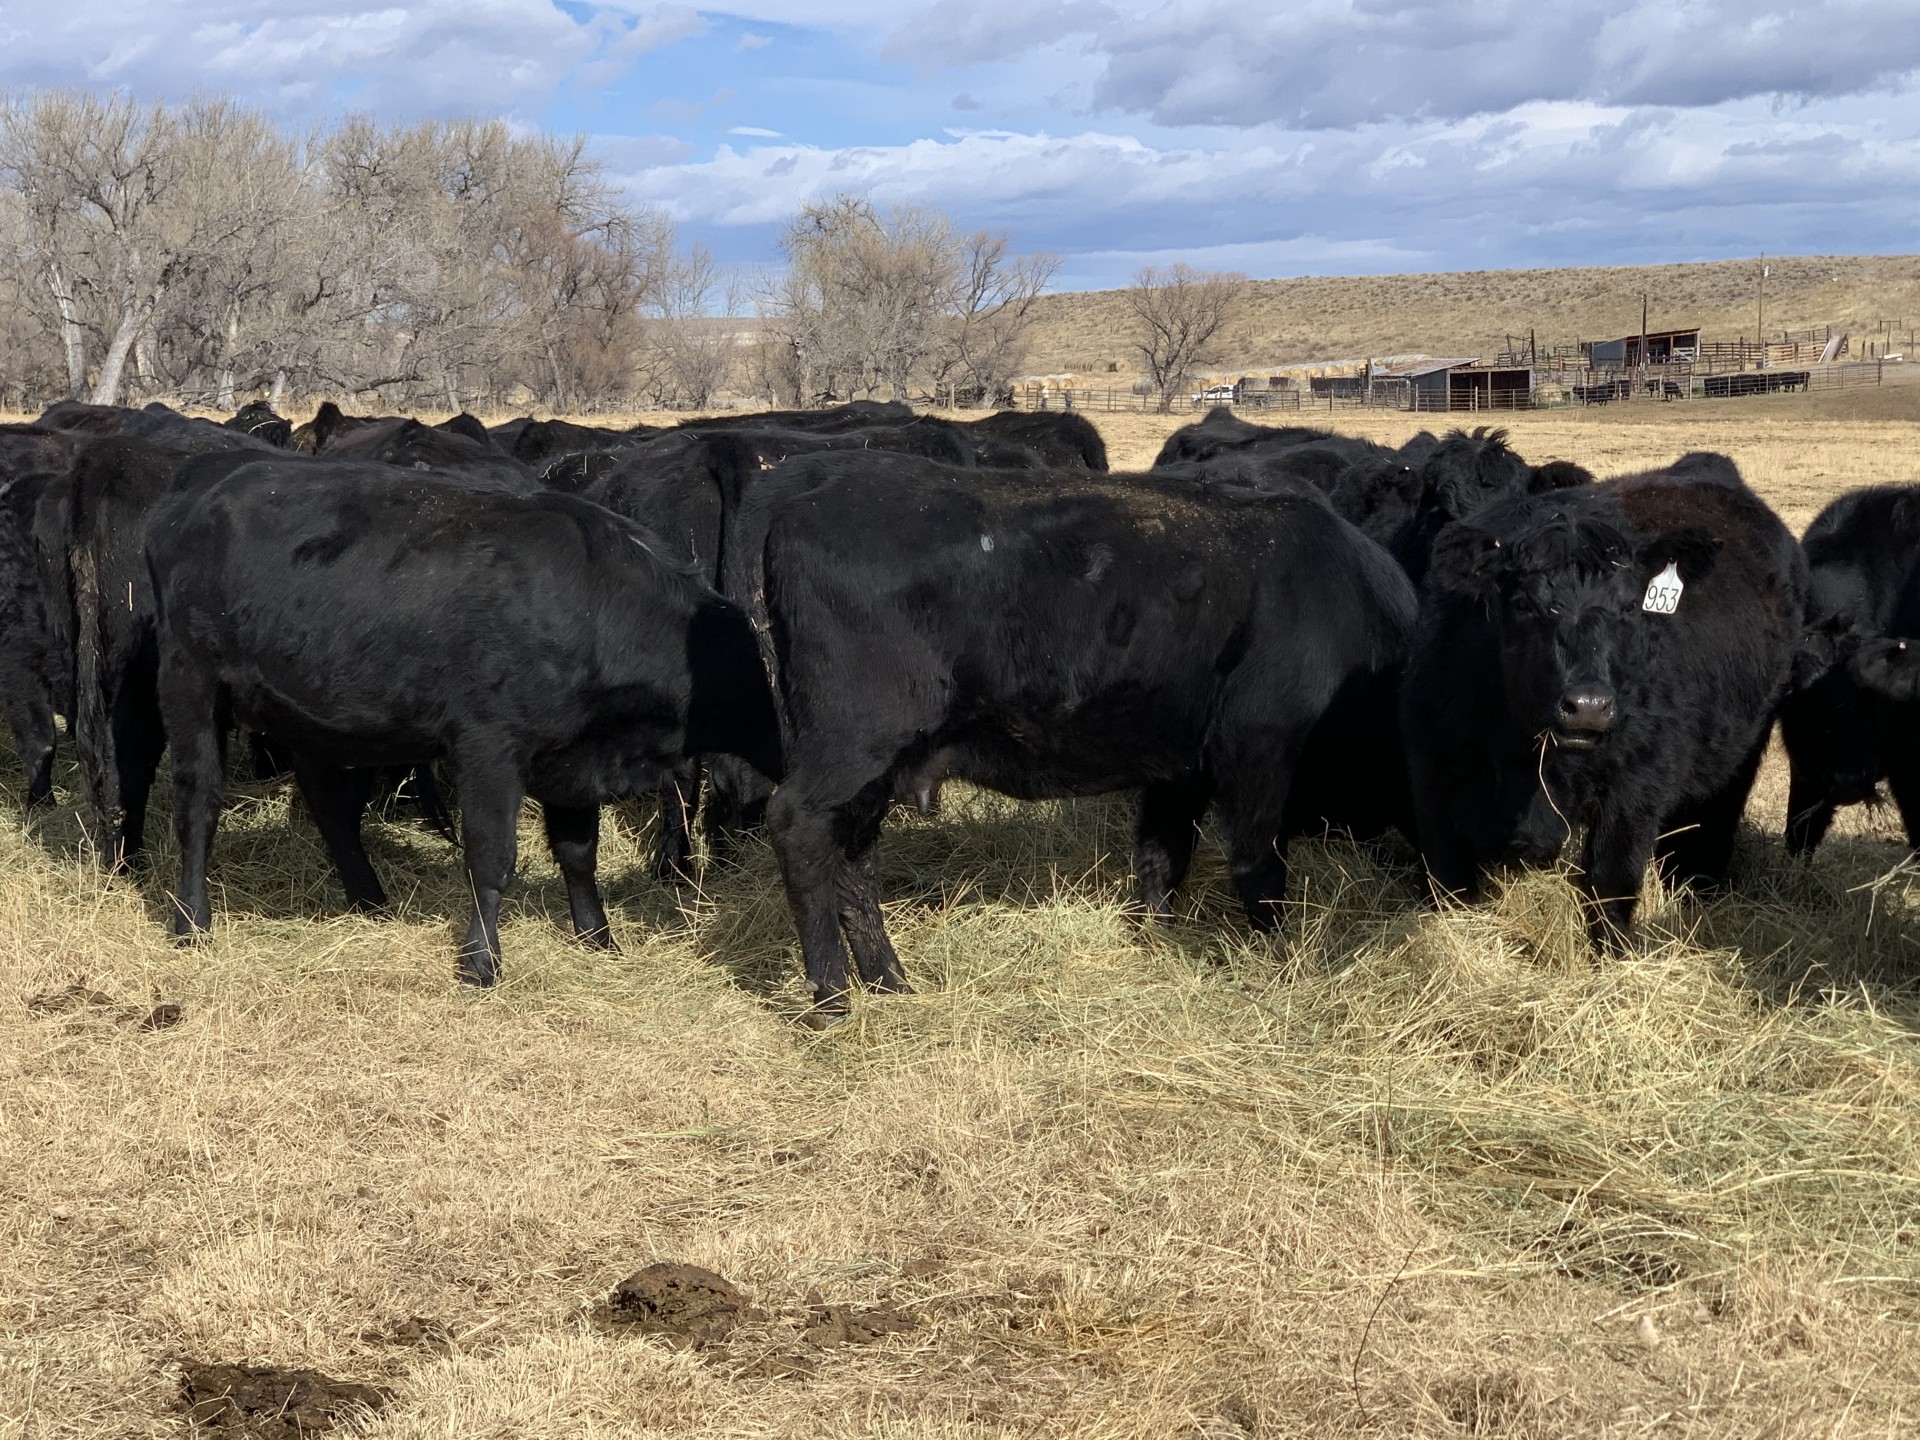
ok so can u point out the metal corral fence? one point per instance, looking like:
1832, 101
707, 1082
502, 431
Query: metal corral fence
1671, 383
1551, 391
1129, 401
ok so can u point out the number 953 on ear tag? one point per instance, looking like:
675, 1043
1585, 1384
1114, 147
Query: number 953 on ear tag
1663, 595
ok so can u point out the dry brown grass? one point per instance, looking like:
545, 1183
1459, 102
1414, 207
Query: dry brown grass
1470, 312
1392, 1174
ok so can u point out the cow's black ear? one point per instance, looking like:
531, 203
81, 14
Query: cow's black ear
1694, 550
1465, 560
1889, 666
325, 421
1408, 482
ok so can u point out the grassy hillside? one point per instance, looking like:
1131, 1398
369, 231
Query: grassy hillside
1388, 1173
1469, 312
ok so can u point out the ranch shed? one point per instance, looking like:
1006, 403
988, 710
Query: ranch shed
1463, 384
1664, 347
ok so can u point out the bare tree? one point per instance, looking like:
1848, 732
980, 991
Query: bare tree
879, 304
690, 352
201, 252
864, 294
993, 307
1177, 312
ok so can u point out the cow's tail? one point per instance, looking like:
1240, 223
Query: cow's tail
744, 579
92, 717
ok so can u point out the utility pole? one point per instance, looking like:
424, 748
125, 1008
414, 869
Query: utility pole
1644, 357
1761, 333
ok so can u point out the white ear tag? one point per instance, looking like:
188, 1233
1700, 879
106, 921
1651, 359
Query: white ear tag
1663, 595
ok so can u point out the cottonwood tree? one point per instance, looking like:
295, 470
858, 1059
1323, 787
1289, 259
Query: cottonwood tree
879, 304
1176, 313
690, 353
992, 315
200, 252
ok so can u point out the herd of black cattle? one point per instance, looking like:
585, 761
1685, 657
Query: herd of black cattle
802, 618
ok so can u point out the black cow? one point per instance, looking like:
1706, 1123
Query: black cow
36, 665
1025, 439
1222, 433
853, 415
411, 445
1544, 696
259, 419
89, 526
1556, 475
156, 423
1379, 493
539, 641
540, 443
1468, 469
1077, 635
1603, 392
682, 485
328, 422
1842, 741
1887, 667
1401, 498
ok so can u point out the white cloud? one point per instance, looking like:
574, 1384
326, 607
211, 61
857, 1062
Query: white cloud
753, 41
1341, 63
1546, 183
754, 131
964, 32
662, 25
420, 57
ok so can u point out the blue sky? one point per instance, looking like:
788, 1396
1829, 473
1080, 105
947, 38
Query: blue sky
1320, 137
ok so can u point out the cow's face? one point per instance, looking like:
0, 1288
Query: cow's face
1378, 496
1562, 597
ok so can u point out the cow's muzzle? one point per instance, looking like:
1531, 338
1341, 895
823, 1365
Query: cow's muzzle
1585, 717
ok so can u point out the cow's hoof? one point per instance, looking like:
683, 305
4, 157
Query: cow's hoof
601, 939
827, 1015
481, 974
895, 984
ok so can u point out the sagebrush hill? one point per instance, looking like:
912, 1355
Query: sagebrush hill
1472, 312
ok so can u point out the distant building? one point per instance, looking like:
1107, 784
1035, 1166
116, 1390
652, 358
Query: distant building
1664, 347
1462, 383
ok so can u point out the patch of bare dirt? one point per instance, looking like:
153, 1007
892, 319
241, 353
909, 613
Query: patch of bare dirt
855, 1324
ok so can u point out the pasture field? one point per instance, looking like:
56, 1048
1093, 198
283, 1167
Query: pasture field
1392, 1173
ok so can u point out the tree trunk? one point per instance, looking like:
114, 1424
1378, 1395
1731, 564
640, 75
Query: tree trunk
224, 399
143, 366
559, 389
72, 337
106, 390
